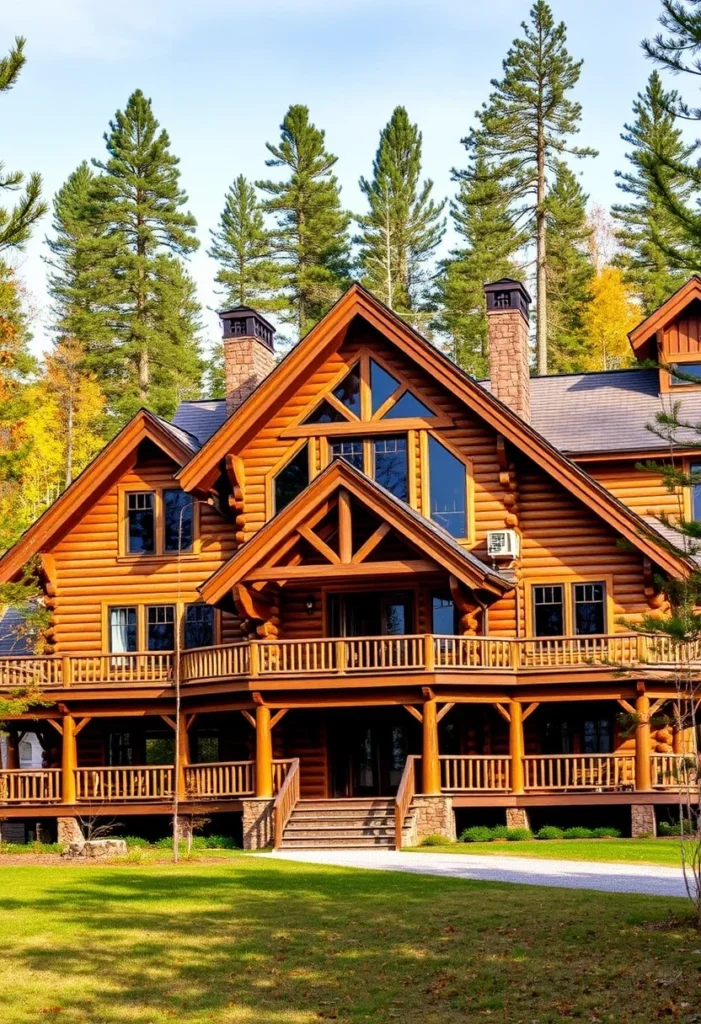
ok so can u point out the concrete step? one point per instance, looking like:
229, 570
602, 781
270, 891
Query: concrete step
337, 844
354, 816
333, 834
347, 805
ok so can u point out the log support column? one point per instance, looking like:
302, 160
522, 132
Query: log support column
69, 760
430, 765
516, 746
264, 752
183, 755
12, 748
643, 775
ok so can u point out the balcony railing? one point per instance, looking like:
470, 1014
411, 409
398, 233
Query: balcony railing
579, 771
350, 656
30, 786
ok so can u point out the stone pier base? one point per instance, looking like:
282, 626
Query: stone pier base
434, 816
68, 830
642, 821
257, 823
517, 817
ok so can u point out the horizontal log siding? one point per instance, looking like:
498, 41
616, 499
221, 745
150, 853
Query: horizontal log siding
89, 572
644, 492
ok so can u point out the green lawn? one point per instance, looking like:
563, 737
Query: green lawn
637, 851
251, 941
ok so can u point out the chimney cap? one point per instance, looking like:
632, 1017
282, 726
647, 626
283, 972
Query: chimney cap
506, 293
246, 322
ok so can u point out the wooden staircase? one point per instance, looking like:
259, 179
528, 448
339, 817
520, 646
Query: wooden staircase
344, 823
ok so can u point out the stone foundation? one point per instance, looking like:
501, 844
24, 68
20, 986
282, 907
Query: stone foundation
257, 823
434, 816
517, 817
642, 821
68, 830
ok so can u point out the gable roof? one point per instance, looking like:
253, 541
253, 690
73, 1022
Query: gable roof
105, 468
328, 334
339, 475
642, 336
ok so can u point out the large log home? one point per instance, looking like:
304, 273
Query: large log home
363, 595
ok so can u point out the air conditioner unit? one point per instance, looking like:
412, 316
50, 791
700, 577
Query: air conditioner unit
502, 544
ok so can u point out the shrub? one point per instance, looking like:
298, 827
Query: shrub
517, 835
225, 843
578, 832
477, 834
34, 847
550, 832
435, 840
605, 833
135, 841
500, 832
675, 828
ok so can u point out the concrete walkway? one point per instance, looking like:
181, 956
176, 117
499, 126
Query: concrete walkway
651, 880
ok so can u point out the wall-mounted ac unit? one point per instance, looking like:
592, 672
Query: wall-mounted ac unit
502, 544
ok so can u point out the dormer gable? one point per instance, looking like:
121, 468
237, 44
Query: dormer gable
671, 337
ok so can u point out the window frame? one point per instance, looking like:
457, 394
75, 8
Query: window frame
160, 553
425, 461
291, 453
142, 604
568, 582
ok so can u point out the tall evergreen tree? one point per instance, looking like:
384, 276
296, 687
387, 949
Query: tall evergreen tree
153, 357
569, 272
649, 233
526, 127
243, 247
16, 223
489, 243
312, 229
404, 225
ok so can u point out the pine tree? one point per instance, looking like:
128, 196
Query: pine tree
16, 224
153, 358
526, 127
243, 247
490, 242
312, 229
569, 272
404, 224
648, 231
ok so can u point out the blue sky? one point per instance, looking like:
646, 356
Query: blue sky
221, 74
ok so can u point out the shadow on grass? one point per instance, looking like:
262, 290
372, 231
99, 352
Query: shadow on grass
290, 944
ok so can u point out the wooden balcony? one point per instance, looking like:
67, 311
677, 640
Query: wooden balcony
348, 657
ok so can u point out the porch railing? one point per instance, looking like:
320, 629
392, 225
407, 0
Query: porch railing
675, 771
285, 801
219, 779
405, 794
579, 771
467, 773
152, 782
30, 786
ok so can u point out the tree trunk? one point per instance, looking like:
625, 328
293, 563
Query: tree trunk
541, 285
69, 437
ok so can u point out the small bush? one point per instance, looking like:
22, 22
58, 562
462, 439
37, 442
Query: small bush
435, 840
605, 833
675, 828
500, 832
34, 847
550, 832
477, 834
224, 843
518, 835
135, 841
578, 832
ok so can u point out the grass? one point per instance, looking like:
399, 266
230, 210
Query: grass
622, 851
252, 941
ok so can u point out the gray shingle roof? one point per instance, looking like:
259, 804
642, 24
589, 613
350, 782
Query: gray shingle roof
201, 419
178, 430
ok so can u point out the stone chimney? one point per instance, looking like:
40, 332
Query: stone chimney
249, 355
508, 308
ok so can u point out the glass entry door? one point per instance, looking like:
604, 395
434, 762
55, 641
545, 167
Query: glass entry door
368, 750
373, 614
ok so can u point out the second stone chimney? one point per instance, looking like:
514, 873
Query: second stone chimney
249, 355
508, 308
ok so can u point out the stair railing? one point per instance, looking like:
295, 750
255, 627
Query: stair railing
285, 801
405, 794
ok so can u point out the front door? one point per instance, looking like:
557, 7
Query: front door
368, 749
371, 614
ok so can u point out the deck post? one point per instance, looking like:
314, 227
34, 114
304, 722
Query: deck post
12, 749
69, 760
183, 756
516, 746
643, 774
430, 765
264, 752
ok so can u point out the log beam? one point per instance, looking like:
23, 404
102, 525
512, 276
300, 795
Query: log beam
430, 764
264, 752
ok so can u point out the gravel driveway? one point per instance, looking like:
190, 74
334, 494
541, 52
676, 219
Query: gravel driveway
648, 879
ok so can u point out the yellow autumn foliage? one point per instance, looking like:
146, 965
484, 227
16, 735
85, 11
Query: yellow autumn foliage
611, 314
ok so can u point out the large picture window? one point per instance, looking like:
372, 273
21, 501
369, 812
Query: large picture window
391, 467
448, 489
178, 521
162, 522
291, 480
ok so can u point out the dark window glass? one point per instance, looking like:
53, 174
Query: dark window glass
160, 627
686, 370
292, 479
589, 600
120, 748
549, 610
408, 405
696, 495
326, 413
178, 511
443, 616
351, 451
348, 391
597, 736
382, 385
391, 465
160, 750
141, 538
199, 625
123, 631
448, 487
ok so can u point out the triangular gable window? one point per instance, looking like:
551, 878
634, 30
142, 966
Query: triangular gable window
326, 413
382, 385
348, 391
407, 407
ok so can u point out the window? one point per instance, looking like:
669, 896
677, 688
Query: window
589, 614
292, 479
689, 373
199, 625
348, 391
696, 492
444, 617
207, 747
178, 521
549, 610
597, 736
382, 385
141, 533
448, 489
123, 630
391, 469
325, 413
351, 451
160, 627
120, 749
407, 406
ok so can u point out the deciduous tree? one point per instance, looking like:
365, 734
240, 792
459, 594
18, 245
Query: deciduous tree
611, 314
